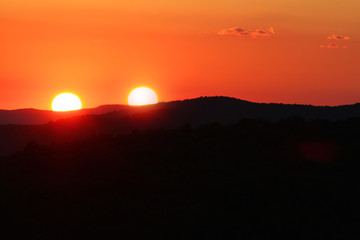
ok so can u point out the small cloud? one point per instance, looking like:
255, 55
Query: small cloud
338, 37
334, 41
243, 32
330, 45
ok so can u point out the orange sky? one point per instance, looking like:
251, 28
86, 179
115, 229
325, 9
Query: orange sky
288, 51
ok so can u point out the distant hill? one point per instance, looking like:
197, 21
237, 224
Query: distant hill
17, 127
30, 116
220, 109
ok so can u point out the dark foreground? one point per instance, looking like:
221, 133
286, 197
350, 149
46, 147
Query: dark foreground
253, 180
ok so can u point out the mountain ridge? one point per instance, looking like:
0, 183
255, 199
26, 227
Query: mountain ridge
32, 116
122, 119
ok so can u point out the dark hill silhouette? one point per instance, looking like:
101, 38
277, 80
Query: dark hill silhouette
30, 116
220, 109
125, 119
256, 179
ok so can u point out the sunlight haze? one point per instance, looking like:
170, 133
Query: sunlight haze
184, 49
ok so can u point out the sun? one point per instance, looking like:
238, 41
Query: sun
142, 96
66, 102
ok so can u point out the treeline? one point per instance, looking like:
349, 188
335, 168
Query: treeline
253, 179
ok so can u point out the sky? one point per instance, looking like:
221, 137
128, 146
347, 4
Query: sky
288, 51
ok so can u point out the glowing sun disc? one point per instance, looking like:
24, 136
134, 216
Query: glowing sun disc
142, 96
66, 102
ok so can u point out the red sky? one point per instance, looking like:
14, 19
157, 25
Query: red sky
289, 51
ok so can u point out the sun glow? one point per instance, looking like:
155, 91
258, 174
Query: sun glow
66, 102
142, 96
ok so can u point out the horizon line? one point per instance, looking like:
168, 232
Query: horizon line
185, 99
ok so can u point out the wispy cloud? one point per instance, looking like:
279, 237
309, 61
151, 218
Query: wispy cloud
335, 41
330, 45
338, 37
247, 33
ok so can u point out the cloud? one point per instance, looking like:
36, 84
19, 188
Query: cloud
330, 45
243, 32
338, 37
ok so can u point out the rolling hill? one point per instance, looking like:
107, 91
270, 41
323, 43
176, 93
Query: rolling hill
18, 127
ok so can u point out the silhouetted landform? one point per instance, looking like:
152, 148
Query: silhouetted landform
256, 179
203, 109
125, 119
30, 116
